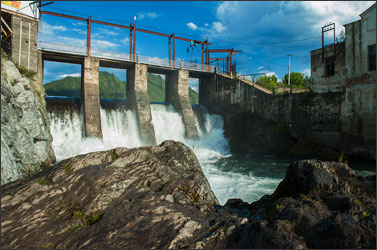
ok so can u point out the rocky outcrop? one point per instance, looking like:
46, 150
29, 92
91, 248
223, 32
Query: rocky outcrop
317, 205
158, 197
25, 130
148, 197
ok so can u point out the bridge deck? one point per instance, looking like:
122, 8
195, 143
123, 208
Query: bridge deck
75, 54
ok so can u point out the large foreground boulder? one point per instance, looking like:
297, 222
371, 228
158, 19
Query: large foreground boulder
317, 205
148, 197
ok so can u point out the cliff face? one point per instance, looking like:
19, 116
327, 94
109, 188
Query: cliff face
25, 129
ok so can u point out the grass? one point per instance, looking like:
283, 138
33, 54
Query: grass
359, 203
67, 168
304, 197
42, 181
25, 72
78, 214
94, 218
113, 154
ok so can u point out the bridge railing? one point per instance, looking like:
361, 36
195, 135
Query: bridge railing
81, 50
60, 47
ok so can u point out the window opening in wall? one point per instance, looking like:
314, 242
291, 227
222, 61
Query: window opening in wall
372, 57
330, 66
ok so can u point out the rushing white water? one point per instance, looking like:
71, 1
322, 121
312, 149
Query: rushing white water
119, 128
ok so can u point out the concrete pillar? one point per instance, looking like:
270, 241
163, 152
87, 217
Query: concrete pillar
137, 94
90, 97
177, 94
40, 67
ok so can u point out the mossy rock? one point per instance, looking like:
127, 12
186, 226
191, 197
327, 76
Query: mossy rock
303, 148
328, 154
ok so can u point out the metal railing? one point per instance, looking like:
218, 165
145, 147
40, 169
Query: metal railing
108, 54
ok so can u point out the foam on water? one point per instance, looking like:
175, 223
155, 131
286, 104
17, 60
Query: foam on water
120, 129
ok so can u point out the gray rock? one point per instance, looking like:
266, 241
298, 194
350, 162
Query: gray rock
25, 128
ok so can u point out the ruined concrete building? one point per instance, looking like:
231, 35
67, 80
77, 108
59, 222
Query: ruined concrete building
348, 63
19, 31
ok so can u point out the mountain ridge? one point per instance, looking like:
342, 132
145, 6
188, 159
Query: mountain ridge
110, 85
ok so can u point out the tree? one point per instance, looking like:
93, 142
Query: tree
341, 37
269, 81
298, 79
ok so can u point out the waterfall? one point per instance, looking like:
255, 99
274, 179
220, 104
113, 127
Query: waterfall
119, 128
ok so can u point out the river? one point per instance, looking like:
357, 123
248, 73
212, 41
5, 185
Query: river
245, 176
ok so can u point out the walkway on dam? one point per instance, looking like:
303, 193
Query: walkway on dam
75, 54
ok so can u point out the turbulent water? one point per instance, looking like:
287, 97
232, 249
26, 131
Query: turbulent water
245, 176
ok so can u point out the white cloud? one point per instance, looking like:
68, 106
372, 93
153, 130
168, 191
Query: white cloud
150, 15
192, 25
125, 41
218, 26
194, 84
206, 24
72, 75
79, 24
82, 32
261, 67
140, 16
48, 29
103, 44
307, 72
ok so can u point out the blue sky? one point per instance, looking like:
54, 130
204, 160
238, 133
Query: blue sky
266, 32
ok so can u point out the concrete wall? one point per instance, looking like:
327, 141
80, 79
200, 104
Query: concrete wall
137, 94
24, 42
344, 121
177, 94
90, 97
321, 82
359, 35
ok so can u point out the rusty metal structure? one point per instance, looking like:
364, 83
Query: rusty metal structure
326, 28
171, 41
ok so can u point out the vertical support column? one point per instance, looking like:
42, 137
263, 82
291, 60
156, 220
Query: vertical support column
202, 56
88, 31
137, 94
173, 50
169, 51
90, 97
177, 94
40, 67
131, 44
134, 43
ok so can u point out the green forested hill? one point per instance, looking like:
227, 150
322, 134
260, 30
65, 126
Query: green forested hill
111, 87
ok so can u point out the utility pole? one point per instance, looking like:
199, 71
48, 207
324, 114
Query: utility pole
289, 74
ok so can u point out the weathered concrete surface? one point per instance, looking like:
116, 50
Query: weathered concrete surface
137, 94
343, 121
141, 198
177, 94
24, 48
321, 81
26, 142
90, 96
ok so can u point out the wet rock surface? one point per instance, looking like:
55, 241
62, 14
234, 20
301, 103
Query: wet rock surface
317, 205
25, 132
158, 197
